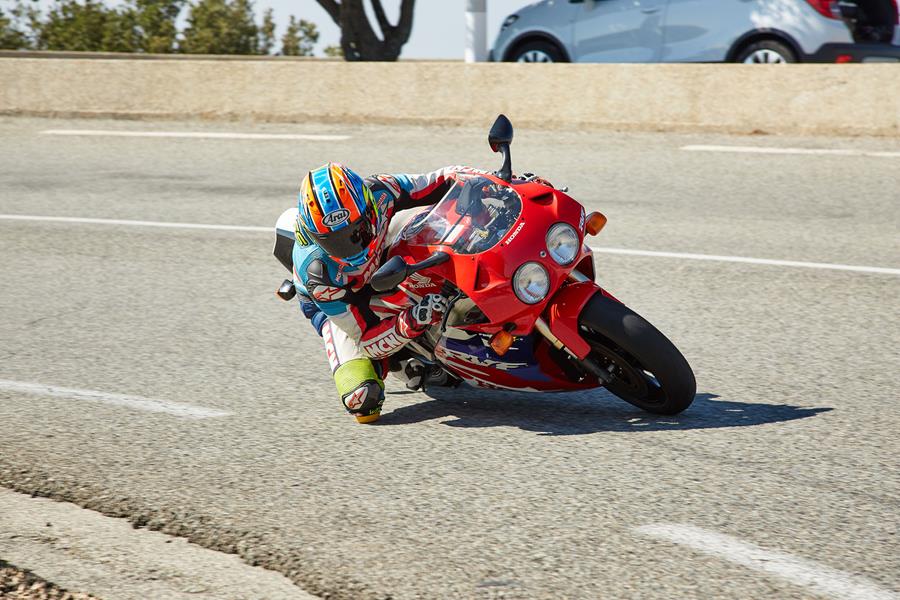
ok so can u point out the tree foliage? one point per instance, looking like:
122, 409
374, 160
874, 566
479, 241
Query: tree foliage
11, 36
221, 27
358, 38
299, 38
213, 27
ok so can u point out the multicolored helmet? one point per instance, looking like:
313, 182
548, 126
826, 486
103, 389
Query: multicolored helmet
338, 213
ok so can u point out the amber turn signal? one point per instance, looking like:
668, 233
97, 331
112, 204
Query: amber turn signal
501, 342
596, 221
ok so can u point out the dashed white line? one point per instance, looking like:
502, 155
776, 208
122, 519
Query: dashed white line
603, 250
128, 223
752, 261
206, 135
177, 409
817, 578
799, 151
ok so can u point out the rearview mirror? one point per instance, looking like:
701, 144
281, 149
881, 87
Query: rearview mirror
501, 133
390, 275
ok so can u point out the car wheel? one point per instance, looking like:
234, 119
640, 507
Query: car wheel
766, 52
537, 52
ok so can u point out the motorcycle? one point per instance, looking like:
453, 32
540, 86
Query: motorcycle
524, 312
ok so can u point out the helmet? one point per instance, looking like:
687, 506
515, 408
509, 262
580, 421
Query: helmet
338, 213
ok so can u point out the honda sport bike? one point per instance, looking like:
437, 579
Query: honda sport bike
525, 314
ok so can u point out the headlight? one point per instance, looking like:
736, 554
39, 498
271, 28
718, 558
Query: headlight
562, 243
509, 21
531, 283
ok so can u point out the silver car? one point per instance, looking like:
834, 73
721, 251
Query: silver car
748, 31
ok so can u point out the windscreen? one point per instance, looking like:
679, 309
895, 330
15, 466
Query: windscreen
473, 217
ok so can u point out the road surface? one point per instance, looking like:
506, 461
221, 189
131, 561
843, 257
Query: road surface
149, 372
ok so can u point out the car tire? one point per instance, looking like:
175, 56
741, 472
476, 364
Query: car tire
766, 52
537, 51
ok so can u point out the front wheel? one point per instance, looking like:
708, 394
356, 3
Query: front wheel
647, 369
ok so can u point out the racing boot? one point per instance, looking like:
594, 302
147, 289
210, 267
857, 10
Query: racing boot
420, 376
361, 388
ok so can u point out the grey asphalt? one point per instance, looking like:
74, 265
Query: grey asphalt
792, 443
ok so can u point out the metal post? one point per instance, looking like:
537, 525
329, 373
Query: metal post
476, 30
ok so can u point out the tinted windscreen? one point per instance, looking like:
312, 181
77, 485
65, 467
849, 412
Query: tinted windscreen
473, 217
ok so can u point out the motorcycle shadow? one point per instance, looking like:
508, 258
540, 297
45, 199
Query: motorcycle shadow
583, 413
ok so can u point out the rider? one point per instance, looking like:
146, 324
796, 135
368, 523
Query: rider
340, 238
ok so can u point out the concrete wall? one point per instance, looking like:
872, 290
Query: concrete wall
822, 99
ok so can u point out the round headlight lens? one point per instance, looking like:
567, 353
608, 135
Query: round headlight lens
531, 283
562, 243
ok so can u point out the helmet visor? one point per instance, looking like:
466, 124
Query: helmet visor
348, 241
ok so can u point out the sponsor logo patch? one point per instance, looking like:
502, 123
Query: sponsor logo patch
336, 218
327, 293
417, 282
383, 345
515, 233
356, 399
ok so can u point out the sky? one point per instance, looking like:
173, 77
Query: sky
438, 26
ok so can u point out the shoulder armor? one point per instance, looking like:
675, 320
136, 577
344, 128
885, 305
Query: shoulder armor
320, 285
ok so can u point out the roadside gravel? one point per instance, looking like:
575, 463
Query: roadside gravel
19, 584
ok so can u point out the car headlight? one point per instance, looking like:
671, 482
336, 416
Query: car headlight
531, 283
509, 21
562, 243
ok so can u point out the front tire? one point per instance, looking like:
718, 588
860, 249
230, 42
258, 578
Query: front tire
648, 370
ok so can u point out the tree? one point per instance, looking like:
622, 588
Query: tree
156, 21
359, 40
221, 27
299, 38
71, 25
11, 37
267, 33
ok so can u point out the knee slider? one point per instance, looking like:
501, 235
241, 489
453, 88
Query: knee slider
360, 387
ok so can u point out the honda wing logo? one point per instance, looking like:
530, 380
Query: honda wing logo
336, 218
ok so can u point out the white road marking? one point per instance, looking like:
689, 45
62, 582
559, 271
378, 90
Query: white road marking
777, 150
818, 578
603, 250
177, 409
205, 135
168, 224
752, 261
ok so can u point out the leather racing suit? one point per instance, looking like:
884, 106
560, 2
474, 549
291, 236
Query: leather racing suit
338, 301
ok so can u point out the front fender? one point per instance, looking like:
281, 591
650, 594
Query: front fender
563, 311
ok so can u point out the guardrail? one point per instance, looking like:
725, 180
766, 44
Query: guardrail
791, 99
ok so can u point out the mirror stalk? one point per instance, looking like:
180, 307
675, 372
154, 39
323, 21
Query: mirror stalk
505, 172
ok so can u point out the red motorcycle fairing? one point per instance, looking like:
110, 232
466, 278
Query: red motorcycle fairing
527, 367
485, 276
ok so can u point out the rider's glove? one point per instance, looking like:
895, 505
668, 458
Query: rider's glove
429, 311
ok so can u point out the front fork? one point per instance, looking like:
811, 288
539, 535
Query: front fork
564, 317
